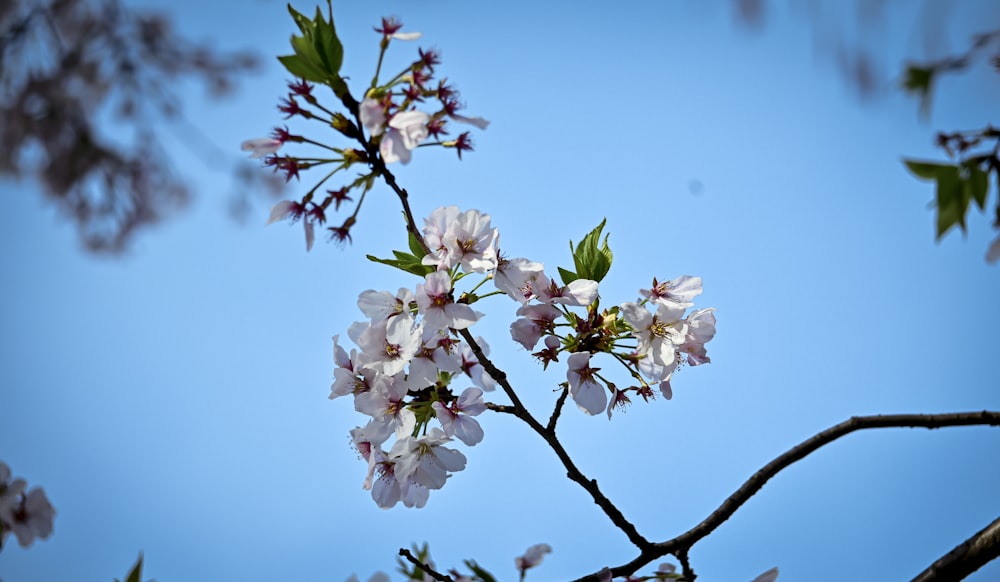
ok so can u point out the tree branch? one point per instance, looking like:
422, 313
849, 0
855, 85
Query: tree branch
574, 474
967, 557
682, 543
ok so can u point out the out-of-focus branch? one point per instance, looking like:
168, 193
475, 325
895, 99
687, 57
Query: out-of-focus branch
967, 557
430, 571
682, 544
85, 85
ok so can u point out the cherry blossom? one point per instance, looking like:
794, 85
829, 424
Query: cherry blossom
435, 302
426, 459
383, 305
465, 238
579, 292
473, 369
407, 130
516, 278
384, 403
372, 113
28, 515
658, 334
700, 330
261, 146
456, 419
680, 291
587, 392
532, 557
533, 322
389, 345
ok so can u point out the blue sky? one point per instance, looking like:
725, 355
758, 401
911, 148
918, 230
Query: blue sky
174, 401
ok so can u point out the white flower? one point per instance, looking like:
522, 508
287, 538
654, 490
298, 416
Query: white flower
456, 420
439, 309
532, 557
516, 278
407, 130
659, 334
29, 515
378, 305
261, 146
465, 238
389, 345
534, 321
426, 460
700, 330
372, 114
587, 392
384, 403
679, 292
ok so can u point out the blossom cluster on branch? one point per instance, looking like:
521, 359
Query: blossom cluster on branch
27, 514
410, 352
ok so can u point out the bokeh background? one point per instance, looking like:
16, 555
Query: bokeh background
174, 400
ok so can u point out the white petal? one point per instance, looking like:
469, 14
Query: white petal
407, 35
279, 211
310, 235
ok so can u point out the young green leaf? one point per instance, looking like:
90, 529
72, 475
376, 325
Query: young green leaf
952, 202
415, 247
918, 81
481, 574
135, 575
928, 170
976, 184
592, 257
405, 262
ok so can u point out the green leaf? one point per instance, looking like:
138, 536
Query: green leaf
928, 170
327, 45
135, 575
918, 81
297, 67
567, 276
415, 247
951, 202
405, 262
592, 258
304, 24
977, 184
478, 570
319, 52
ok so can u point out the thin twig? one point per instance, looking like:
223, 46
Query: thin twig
685, 541
574, 474
551, 427
433, 573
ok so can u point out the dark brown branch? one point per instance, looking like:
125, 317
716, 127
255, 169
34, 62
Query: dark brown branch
574, 474
433, 573
967, 557
551, 427
684, 542
378, 166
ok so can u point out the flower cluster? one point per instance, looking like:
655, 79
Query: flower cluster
410, 352
408, 357
385, 127
28, 514
663, 339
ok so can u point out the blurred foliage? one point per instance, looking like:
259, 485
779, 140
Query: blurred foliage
973, 153
85, 84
